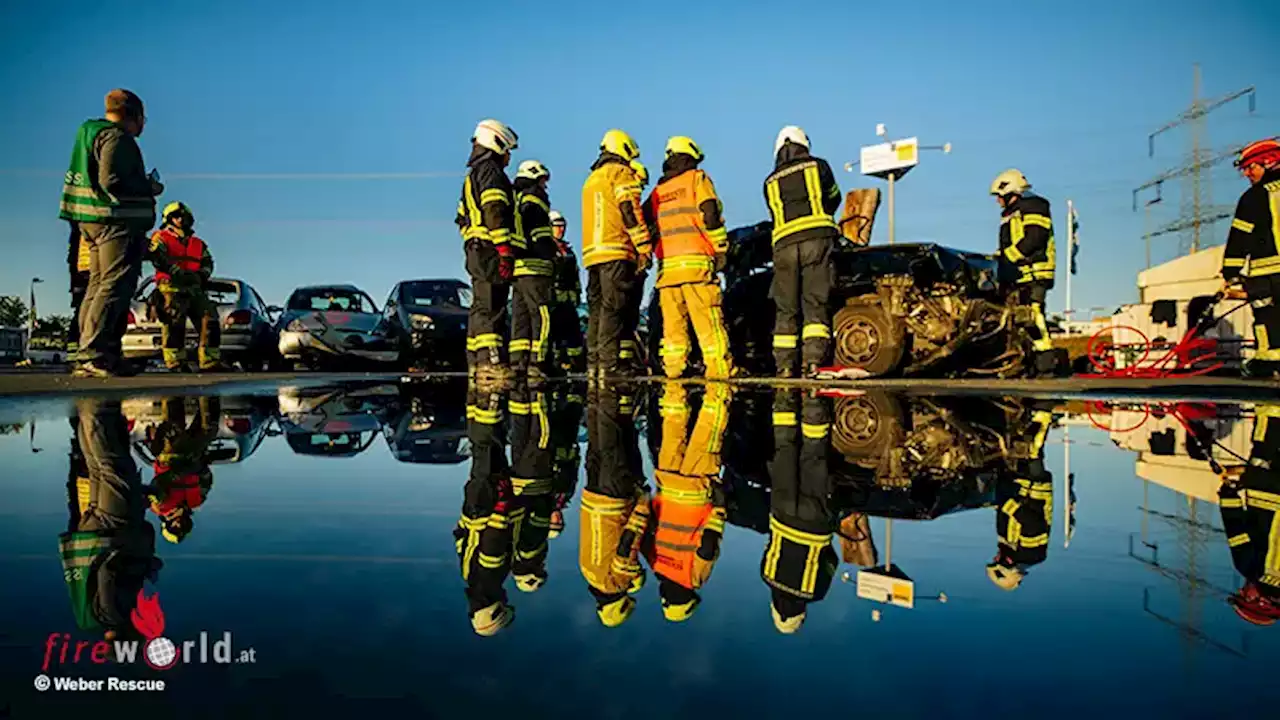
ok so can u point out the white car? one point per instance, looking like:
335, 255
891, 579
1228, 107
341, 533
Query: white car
248, 333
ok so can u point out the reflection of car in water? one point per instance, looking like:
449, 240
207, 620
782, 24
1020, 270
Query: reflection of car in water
429, 426
430, 319
248, 333
331, 325
904, 309
245, 421
335, 422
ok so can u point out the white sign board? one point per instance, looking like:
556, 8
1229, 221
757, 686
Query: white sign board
885, 589
891, 157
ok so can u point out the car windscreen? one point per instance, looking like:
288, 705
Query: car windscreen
332, 299
431, 294
222, 293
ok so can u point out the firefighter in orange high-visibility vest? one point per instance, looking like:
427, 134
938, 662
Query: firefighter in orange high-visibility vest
183, 267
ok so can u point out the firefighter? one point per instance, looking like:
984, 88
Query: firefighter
1027, 253
799, 560
1024, 512
109, 548
486, 219
566, 330
183, 266
532, 479
484, 536
690, 246
614, 514
803, 197
615, 251
78, 267
532, 294
182, 476
1250, 501
688, 506
629, 347
566, 419
1255, 238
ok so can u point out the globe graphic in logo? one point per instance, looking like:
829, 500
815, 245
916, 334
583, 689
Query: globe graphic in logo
161, 653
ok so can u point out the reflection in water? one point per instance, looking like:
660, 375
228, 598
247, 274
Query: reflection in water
182, 476
1250, 502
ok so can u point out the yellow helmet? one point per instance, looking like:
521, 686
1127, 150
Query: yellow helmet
790, 625
683, 145
1010, 182
175, 208
642, 172
488, 621
619, 143
615, 613
1005, 577
681, 612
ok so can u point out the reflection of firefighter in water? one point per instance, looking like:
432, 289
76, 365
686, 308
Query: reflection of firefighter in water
182, 476
683, 542
566, 418
1250, 502
615, 506
484, 535
1024, 512
532, 462
799, 560
109, 548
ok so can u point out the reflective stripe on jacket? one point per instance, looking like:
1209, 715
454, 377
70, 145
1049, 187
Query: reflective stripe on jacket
1026, 239
1255, 231
802, 196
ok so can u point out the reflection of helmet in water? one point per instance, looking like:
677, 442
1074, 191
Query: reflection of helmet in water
613, 614
488, 621
177, 526
177, 208
1253, 607
531, 582
1005, 577
557, 220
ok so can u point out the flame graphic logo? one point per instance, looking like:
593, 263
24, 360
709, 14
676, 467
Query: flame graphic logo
148, 619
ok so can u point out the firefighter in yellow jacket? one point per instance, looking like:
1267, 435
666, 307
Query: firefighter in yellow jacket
688, 507
1250, 502
183, 267
799, 560
1255, 239
615, 250
1024, 512
614, 507
690, 246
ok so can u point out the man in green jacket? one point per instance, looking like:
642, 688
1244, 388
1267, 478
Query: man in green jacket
108, 193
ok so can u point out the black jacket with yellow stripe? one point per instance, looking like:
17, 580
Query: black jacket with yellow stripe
1255, 231
799, 559
532, 463
1026, 240
802, 196
1024, 515
486, 211
536, 249
484, 535
1251, 507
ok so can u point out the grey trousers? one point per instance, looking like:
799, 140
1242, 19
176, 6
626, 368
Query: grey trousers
115, 263
115, 488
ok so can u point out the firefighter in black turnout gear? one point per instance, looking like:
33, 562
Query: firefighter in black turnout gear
484, 535
1024, 511
566, 420
532, 469
486, 219
566, 329
802, 196
799, 560
532, 292
1027, 254
1255, 239
1250, 502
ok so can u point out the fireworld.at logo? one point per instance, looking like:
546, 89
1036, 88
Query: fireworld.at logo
158, 651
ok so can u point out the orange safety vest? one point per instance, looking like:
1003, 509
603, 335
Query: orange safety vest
685, 249
186, 255
680, 522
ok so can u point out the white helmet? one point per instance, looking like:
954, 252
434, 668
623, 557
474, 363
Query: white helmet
792, 133
495, 136
556, 217
1010, 182
533, 169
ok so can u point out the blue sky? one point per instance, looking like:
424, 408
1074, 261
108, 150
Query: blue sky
325, 141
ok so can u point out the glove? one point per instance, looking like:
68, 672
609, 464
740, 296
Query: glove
642, 264
506, 261
720, 262
157, 187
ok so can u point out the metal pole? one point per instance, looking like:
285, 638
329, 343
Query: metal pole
1071, 246
891, 178
1066, 476
888, 542
1146, 233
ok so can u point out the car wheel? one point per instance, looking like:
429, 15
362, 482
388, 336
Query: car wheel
867, 338
867, 427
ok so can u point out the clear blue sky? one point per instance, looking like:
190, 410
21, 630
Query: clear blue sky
251, 105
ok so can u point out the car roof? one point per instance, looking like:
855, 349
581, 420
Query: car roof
316, 288
436, 281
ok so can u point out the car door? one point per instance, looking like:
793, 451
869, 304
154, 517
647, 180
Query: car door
391, 313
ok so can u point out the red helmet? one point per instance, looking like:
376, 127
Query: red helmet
1253, 607
1263, 152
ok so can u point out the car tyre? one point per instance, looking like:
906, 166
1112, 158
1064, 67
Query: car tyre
866, 337
867, 427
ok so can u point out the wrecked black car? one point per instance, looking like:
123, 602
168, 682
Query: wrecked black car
908, 310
